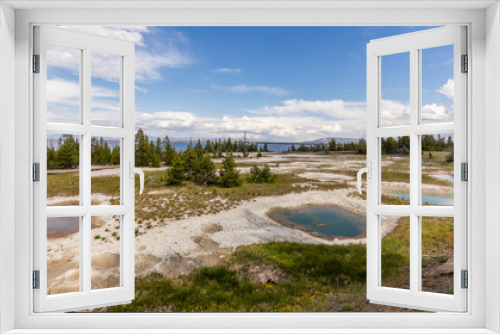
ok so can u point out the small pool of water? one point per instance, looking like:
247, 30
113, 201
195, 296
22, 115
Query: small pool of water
62, 226
321, 221
431, 199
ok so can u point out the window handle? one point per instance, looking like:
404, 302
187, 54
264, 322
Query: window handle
368, 171
134, 170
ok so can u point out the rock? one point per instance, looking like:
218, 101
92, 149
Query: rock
445, 268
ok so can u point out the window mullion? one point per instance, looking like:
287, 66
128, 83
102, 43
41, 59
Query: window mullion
415, 187
85, 251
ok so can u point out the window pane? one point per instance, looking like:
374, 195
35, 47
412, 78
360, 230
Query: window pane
63, 255
437, 169
105, 248
63, 84
106, 158
395, 170
395, 90
395, 251
438, 87
437, 254
63, 170
105, 91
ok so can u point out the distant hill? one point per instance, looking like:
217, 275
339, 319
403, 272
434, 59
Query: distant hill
53, 141
338, 140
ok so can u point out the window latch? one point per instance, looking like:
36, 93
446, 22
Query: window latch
134, 170
368, 171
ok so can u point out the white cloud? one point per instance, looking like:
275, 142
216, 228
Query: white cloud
394, 113
228, 70
133, 33
60, 91
338, 109
249, 89
437, 113
63, 103
148, 64
178, 124
141, 89
448, 89
176, 120
107, 67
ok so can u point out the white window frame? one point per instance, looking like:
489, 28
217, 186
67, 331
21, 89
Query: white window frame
84, 130
413, 44
484, 49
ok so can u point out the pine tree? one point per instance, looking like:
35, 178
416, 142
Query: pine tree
169, 151
51, 158
106, 154
175, 174
159, 149
189, 160
115, 155
205, 172
390, 145
198, 149
332, 145
261, 175
67, 155
362, 146
142, 149
208, 146
229, 175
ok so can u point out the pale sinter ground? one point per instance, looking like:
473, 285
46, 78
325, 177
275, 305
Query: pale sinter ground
175, 247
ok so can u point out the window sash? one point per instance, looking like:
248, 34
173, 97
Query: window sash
413, 43
86, 297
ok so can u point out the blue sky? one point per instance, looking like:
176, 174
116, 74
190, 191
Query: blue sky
278, 83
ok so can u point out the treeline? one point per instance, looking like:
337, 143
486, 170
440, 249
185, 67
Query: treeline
398, 145
401, 145
195, 163
197, 166
200, 169
153, 153
333, 146
66, 155
101, 153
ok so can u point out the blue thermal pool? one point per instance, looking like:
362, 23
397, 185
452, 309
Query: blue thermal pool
323, 221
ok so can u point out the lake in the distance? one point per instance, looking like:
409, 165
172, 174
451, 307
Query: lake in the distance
182, 146
329, 221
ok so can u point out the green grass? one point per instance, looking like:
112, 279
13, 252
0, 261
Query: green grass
321, 278
399, 170
68, 184
316, 278
188, 200
194, 200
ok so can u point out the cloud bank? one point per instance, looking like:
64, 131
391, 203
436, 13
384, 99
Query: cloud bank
104, 66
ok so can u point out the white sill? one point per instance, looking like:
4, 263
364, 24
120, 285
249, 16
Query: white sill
250, 331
